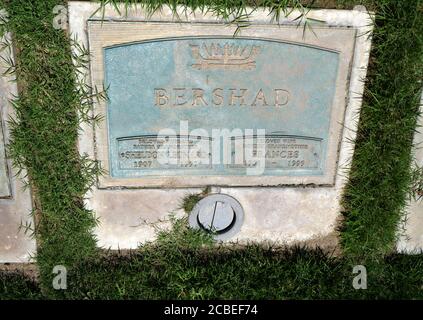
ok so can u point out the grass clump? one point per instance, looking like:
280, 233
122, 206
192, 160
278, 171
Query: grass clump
44, 135
251, 272
16, 285
380, 176
190, 200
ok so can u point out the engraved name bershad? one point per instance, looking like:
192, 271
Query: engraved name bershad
219, 97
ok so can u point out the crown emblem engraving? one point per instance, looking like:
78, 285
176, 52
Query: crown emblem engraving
232, 57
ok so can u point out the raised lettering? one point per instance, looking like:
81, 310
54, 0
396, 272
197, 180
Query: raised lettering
260, 97
281, 97
180, 99
217, 98
161, 97
240, 97
197, 95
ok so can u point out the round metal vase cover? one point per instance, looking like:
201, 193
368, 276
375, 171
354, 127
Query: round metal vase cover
219, 214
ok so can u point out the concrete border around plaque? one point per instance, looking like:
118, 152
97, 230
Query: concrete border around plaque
15, 200
286, 208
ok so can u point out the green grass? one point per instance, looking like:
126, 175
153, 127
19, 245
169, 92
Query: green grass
380, 176
182, 264
15, 285
248, 273
45, 134
186, 264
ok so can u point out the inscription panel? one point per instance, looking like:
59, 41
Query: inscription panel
280, 92
285, 153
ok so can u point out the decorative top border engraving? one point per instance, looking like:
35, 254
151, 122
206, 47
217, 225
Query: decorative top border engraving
216, 56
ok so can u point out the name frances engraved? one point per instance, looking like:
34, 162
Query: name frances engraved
287, 152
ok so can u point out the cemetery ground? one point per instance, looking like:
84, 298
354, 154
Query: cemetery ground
184, 263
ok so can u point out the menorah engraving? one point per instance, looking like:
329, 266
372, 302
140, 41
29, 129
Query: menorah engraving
216, 56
